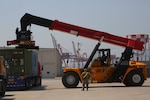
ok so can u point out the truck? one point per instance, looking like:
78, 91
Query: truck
3, 82
127, 71
23, 71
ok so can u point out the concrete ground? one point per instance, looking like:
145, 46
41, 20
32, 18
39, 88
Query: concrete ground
52, 89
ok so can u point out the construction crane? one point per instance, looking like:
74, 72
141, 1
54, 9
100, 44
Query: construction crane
65, 54
79, 58
129, 72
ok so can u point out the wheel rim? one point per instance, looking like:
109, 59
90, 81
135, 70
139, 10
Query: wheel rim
70, 79
136, 78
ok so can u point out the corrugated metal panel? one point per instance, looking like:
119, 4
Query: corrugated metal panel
14, 59
21, 61
35, 63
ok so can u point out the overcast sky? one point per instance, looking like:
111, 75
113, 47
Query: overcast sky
118, 17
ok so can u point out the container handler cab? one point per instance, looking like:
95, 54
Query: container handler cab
131, 73
3, 81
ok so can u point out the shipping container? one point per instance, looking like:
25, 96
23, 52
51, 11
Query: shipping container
22, 72
51, 62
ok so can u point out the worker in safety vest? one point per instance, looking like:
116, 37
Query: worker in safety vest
85, 79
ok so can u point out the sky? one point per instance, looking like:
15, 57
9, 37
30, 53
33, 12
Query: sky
118, 17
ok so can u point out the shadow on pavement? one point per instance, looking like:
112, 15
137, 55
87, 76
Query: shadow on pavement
118, 86
6, 97
37, 88
43, 87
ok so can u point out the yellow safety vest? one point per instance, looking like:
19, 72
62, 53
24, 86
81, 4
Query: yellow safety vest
85, 75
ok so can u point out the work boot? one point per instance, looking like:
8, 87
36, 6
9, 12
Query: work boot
82, 89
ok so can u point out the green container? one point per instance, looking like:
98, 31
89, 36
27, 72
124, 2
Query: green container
21, 61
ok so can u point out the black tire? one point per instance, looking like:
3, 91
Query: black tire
134, 78
27, 83
40, 81
70, 79
37, 81
126, 83
3, 88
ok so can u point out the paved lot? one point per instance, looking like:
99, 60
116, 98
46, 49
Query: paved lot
52, 89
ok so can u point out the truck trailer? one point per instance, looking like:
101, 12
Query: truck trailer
23, 71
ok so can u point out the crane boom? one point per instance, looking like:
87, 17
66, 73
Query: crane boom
96, 35
29, 19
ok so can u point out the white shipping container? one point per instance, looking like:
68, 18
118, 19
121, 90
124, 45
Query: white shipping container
51, 62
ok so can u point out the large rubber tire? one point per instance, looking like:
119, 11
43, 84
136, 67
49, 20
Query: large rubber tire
70, 79
40, 81
134, 78
27, 83
37, 81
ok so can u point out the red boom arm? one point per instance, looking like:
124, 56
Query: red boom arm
27, 20
93, 34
